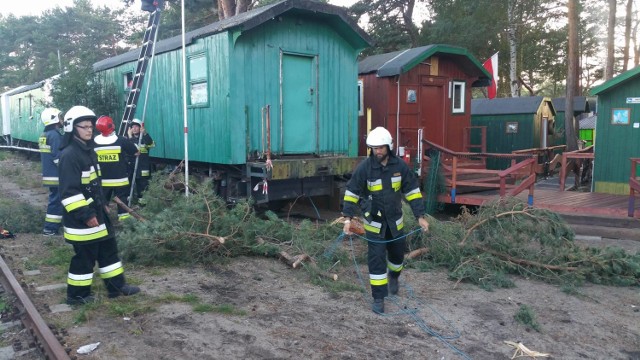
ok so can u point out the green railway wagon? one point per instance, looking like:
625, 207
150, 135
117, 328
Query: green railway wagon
276, 83
618, 130
24, 107
514, 124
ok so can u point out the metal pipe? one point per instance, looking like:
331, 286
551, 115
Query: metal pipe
184, 106
398, 119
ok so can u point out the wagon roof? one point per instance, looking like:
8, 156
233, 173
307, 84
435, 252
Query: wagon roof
624, 77
580, 103
25, 88
589, 122
336, 15
398, 62
504, 106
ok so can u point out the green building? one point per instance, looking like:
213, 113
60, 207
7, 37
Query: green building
514, 124
618, 129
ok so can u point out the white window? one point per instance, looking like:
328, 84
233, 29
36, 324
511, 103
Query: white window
360, 98
198, 80
458, 91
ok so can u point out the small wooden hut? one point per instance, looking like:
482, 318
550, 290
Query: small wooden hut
419, 93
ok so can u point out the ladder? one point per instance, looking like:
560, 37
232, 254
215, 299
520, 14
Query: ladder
146, 53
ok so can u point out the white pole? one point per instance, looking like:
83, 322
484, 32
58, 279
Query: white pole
184, 107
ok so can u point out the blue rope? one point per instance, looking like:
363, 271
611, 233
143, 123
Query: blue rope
406, 307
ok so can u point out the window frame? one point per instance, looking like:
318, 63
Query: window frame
197, 81
463, 89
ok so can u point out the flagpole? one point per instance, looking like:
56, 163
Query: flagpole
184, 107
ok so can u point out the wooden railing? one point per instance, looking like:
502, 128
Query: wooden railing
506, 181
634, 186
582, 154
548, 158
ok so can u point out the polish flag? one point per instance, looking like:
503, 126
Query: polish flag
491, 65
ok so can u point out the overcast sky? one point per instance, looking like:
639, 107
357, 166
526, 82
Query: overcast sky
36, 7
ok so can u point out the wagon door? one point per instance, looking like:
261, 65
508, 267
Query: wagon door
432, 110
298, 96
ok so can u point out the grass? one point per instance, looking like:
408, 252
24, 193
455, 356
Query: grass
526, 316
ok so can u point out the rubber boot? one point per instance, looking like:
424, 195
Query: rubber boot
126, 290
393, 285
80, 300
378, 306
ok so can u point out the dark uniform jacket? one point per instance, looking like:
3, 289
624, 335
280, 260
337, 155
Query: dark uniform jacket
113, 152
81, 195
144, 165
378, 190
49, 144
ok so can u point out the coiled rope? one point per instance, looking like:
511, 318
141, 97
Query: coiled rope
409, 307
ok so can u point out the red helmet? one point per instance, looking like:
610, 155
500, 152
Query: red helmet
105, 125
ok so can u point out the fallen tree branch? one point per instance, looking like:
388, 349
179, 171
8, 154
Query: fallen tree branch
293, 261
128, 209
525, 262
417, 253
515, 212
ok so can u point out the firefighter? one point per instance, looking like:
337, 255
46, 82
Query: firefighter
86, 224
143, 173
113, 152
49, 144
377, 187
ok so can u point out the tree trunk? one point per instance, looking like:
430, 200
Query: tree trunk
611, 30
513, 49
407, 17
627, 36
569, 125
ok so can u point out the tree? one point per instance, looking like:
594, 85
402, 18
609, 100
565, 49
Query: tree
569, 124
390, 23
611, 30
627, 35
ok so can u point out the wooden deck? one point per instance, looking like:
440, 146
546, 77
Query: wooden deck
564, 202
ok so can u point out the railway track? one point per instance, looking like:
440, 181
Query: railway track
44, 344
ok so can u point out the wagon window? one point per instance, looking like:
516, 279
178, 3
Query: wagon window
457, 97
30, 106
198, 82
127, 81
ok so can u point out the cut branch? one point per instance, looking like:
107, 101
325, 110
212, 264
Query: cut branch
128, 209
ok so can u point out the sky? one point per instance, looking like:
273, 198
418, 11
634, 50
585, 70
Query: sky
36, 7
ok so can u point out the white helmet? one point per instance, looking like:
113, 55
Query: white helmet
380, 136
49, 116
136, 122
76, 114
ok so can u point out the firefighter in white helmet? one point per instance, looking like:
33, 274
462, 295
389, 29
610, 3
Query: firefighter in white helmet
86, 223
139, 136
49, 144
377, 187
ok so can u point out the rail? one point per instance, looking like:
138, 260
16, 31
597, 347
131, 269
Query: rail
581, 154
548, 159
31, 318
509, 182
634, 186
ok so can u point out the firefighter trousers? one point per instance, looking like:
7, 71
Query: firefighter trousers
122, 192
53, 218
105, 253
382, 257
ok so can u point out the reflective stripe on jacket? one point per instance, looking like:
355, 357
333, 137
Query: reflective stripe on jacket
49, 144
378, 191
113, 152
81, 195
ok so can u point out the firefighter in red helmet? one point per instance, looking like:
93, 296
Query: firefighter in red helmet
113, 151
